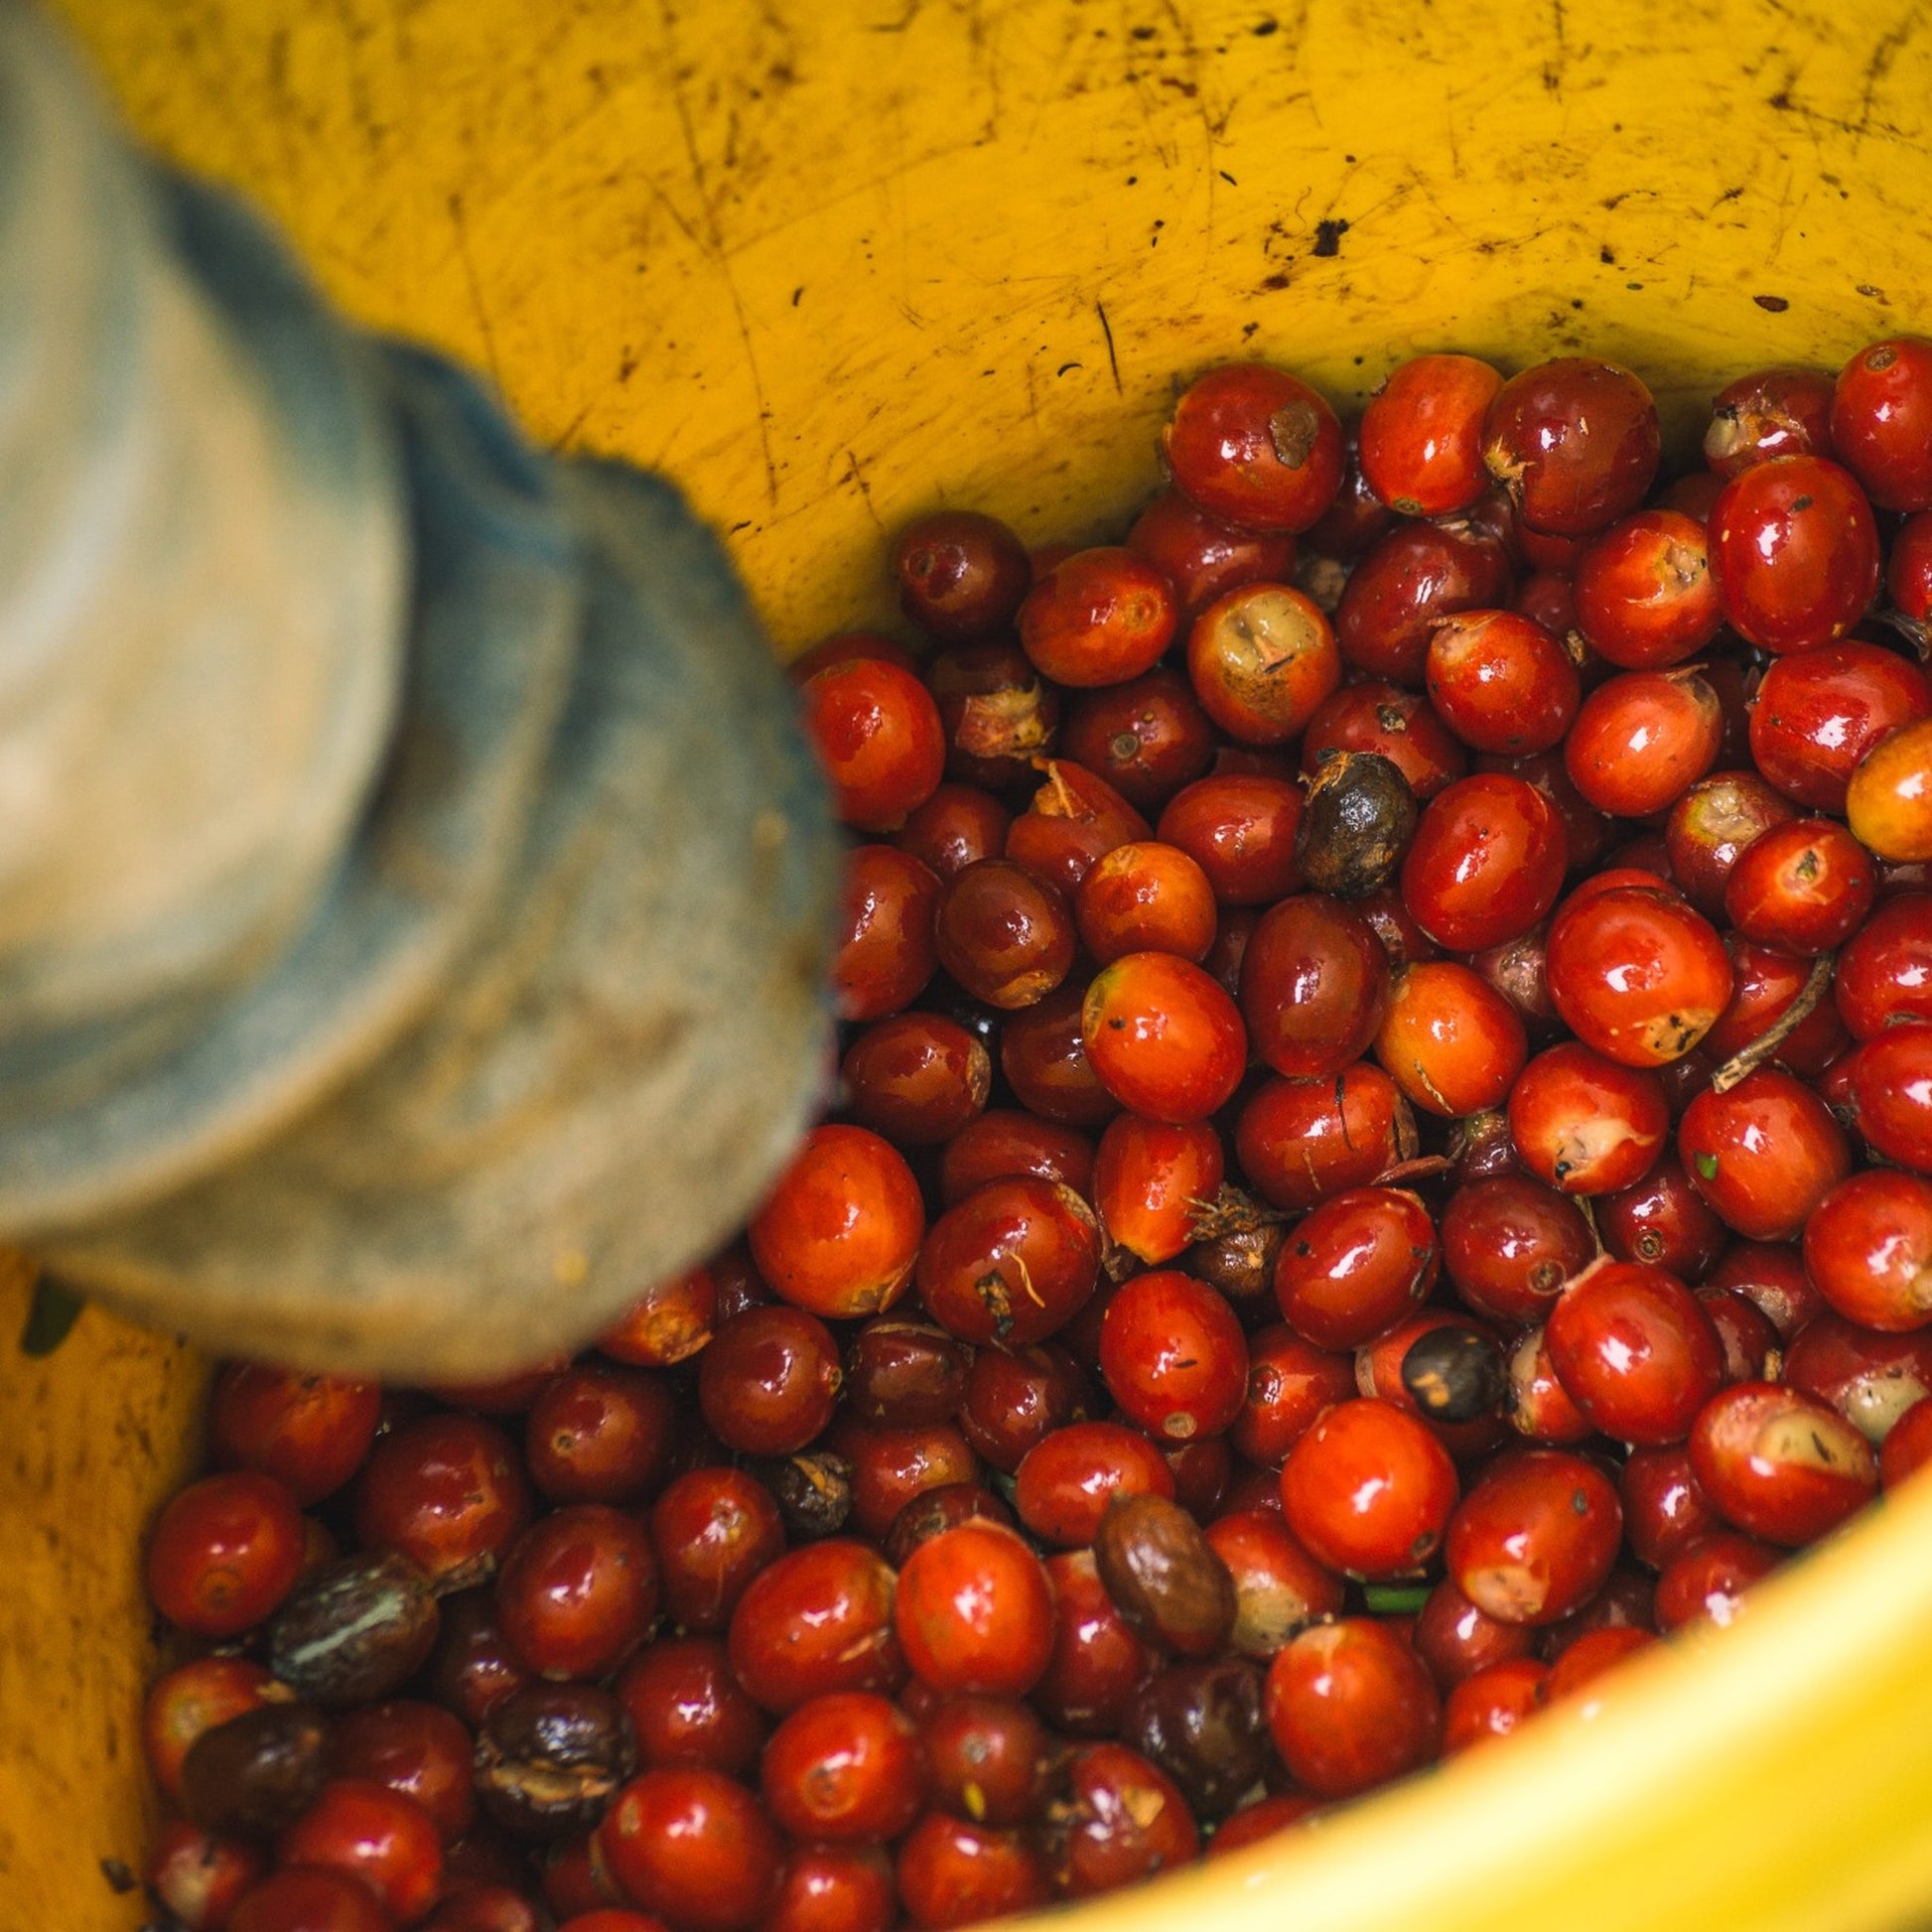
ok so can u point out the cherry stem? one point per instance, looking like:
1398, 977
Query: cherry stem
1749, 1058
1419, 1168
1395, 1600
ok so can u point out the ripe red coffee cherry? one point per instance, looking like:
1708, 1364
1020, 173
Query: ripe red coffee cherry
1011, 1264
1399, 725
668, 1323
1806, 885
1455, 1640
840, 1232
1486, 862
1289, 1383
1173, 1357
1146, 896
1796, 552
1122, 1820
1501, 682
577, 1591
1634, 1351
877, 735
1201, 558
884, 953
1421, 437
1587, 1125
1707, 1581
599, 1435
1869, 1247
1665, 1510
1098, 1662
955, 828
693, 1846
686, 1708
1663, 1220
192, 1698
1314, 985
988, 1758
917, 1079
1764, 1153
960, 574
1260, 659
1278, 1587
829, 1888
1908, 1448
1240, 830
1536, 1537
1355, 1266
1886, 801
1638, 975
1065, 1482
373, 1835
1255, 447
1770, 412
1575, 442
310, 1433
1301, 1141
1509, 1243
818, 1620
1368, 1491
998, 714
1869, 1378
713, 1531
1642, 739
1099, 616
313, 1897
1711, 825
1891, 1094
1075, 817
1882, 421
1162, 1038
1351, 1705
1006, 1142
224, 1553
975, 1612
1818, 712
1450, 1042
1043, 1057
1006, 934
1778, 1463
1149, 1179
1415, 574
844, 1769
1492, 1702
1645, 596
770, 1381
950, 1872
1884, 973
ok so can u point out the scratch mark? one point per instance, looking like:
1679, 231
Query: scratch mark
461, 225
1884, 53
1107, 329
899, 25
857, 477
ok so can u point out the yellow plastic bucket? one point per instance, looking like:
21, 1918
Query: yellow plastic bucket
830, 262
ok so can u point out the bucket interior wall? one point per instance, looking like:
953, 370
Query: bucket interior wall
833, 264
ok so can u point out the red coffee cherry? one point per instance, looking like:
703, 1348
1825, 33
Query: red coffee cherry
1351, 1705
1368, 1491
1256, 448
1778, 1463
1536, 1537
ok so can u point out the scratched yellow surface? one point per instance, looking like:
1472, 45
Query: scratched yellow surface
829, 264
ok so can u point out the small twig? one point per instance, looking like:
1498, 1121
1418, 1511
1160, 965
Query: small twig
1419, 1168
1749, 1058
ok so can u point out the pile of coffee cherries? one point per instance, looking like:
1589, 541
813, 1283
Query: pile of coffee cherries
1376, 1169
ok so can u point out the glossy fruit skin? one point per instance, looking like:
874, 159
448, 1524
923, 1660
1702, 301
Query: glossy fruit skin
599, 1435
1778, 1463
1587, 1125
884, 954
1871, 1379
418, 1750
1146, 896
1004, 934
989, 1759
1577, 443
1098, 1662
1888, 803
1663, 1220
1017, 1396
310, 1898
1708, 828
1766, 982
1638, 975
1044, 1057
916, 1078
1764, 1153
839, 1233
694, 1847
1414, 575
1892, 1091
833, 1889
1771, 1277
224, 1553
1399, 725
816, 1620
685, 1707
1486, 863
1455, 1640
1260, 659
1806, 885
1351, 1705
998, 713
577, 1591
877, 736
1540, 1408
955, 828
1509, 1243
1745, 1333
1301, 1141
1122, 1820
1421, 437
1707, 1581
1882, 421
194, 1698
1255, 448
1501, 682
1162, 1038
1291, 1382
1065, 1482
1004, 1142
1869, 1247
1885, 972
975, 1612
668, 1323
713, 1531
1355, 1266
1368, 1491
1642, 739
1795, 551
1279, 1587
1313, 986
951, 1874
199, 1878
1173, 1357
1635, 1351
1492, 1702
1099, 616
1645, 596
1819, 712
370, 1833
1146, 1178
310, 1433
844, 1769
1240, 830
1770, 412
1011, 1264
1536, 1537
1908, 1448
1450, 1042
1201, 558
1665, 1509
770, 1381
960, 574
